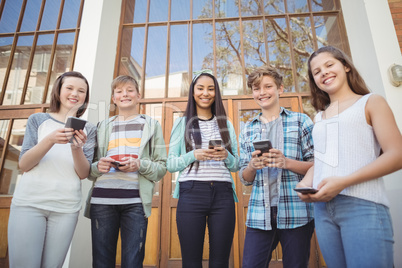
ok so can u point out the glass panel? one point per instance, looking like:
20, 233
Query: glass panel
5, 49
31, 15
179, 78
308, 107
226, 8
132, 50
140, 11
62, 58
10, 173
40, 67
279, 51
9, 18
158, 10
327, 31
250, 7
156, 59
180, 10
202, 9
155, 111
254, 45
246, 116
50, 15
202, 47
70, 14
297, 6
18, 71
176, 115
321, 5
3, 132
302, 47
228, 58
272, 7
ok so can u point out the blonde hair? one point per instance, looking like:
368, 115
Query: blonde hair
122, 80
254, 79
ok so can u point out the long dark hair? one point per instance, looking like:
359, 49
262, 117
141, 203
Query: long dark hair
192, 125
55, 95
320, 99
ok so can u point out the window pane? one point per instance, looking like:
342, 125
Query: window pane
302, 49
272, 7
10, 173
254, 45
156, 59
297, 6
279, 51
158, 10
70, 14
62, 58
180, 10
132, 50
327, 31
9, 18
5, 49
202, 9
202, 47
226, 8
40, 67
179, 79
31, 15
50, 15
18, 71
3, 132
140, 11
321, 5
250, 7
228, 58
308, 107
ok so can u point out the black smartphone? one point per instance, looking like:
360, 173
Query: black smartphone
117, 163
214, 143
306, 190
264, 146
76, 124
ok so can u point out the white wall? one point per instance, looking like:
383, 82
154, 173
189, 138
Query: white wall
374, 48
96, 54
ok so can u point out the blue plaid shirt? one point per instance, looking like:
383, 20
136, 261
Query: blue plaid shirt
296, 143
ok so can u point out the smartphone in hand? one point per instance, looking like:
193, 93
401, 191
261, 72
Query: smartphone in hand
75, 123
214, 143
306, 190
264, 146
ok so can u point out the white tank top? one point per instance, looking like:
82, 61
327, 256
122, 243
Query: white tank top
344, 144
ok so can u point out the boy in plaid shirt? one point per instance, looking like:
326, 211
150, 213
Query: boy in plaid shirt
275, 213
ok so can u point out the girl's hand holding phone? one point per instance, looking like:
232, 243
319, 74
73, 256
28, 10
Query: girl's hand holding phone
219, 153
204, 154
79, 139
329, 188
60, 136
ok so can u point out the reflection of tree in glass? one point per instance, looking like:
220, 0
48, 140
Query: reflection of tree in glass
277, 41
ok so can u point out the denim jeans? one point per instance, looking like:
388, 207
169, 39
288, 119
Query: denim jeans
353, 232
39, 238
259, 244
201, 203
106, 220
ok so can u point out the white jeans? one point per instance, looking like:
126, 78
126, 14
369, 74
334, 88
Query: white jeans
39, 238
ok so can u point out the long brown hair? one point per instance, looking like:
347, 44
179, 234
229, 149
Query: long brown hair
192, 125
320, 99
55, 95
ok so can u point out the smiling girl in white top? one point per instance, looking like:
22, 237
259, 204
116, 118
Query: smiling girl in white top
47, 200
356, 142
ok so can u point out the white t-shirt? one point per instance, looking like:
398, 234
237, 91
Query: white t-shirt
53, 183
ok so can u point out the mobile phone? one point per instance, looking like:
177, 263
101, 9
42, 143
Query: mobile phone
306, 190
214, 143
117, 163
75, 123
264, 146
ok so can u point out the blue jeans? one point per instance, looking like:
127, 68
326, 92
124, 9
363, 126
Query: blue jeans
201, 203
106, 220
259, 244
353, 232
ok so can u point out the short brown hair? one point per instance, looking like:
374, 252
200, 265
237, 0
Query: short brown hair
254, 79
55, 95
124, 79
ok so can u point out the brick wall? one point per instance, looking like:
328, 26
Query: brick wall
396, 10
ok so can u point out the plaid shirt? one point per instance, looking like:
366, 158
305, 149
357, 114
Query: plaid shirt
295, 143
